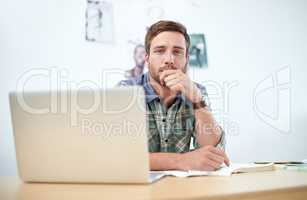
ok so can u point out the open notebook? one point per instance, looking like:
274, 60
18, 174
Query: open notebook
223, 171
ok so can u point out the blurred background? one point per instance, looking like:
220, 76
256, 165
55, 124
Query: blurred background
251, 56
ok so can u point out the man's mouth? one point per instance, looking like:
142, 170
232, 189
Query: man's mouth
165, 67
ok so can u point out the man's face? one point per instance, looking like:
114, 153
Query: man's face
167, 51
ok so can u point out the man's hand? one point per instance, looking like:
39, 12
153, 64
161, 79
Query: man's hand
178, 81
207, 158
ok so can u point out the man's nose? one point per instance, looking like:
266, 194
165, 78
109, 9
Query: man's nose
169, 59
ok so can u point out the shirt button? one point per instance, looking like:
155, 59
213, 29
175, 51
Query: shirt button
163, 120
166, 140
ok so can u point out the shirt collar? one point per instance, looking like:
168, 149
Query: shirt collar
149, 91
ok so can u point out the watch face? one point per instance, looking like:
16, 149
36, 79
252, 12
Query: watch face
200, 104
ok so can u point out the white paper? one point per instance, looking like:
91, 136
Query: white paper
223, 171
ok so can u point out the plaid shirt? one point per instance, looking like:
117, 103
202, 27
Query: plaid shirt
170, 130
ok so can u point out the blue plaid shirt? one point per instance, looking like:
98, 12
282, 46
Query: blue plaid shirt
170, 130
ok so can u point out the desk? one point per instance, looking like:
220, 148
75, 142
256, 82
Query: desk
279, 184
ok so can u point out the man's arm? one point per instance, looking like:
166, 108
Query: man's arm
164, 161
208, 132
207, 158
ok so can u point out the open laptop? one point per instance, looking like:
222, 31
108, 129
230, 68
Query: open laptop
85, 136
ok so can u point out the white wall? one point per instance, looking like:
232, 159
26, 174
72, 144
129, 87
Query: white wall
247, 42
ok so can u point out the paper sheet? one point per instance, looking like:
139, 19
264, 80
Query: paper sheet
223, 171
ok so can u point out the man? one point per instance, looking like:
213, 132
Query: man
177, 107
139, 59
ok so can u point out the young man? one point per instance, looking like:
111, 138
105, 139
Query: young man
177, 107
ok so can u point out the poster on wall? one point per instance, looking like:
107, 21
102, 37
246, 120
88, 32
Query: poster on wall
198, 51
139, 66
99, 21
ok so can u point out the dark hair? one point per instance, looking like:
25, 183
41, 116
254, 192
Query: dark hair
162, 26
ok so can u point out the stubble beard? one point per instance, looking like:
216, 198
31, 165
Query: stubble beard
156, 76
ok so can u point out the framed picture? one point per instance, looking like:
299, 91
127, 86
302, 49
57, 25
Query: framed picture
99, 21
198, 51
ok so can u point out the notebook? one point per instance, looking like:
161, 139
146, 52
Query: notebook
223, 171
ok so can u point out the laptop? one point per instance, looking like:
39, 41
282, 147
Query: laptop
82, 136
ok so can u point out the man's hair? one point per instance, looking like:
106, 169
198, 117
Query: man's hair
162, 26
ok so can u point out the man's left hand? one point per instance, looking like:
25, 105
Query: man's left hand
178, 81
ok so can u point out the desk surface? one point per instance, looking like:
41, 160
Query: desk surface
259, 185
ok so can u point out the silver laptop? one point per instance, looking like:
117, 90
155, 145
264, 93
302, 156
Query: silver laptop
85, 136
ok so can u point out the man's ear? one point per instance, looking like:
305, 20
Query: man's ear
146, 57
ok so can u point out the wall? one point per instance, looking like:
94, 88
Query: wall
256, 54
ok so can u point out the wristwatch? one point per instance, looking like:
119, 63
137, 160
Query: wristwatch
200, 104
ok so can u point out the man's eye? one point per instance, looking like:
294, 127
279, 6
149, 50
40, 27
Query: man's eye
178, 52
159, 51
